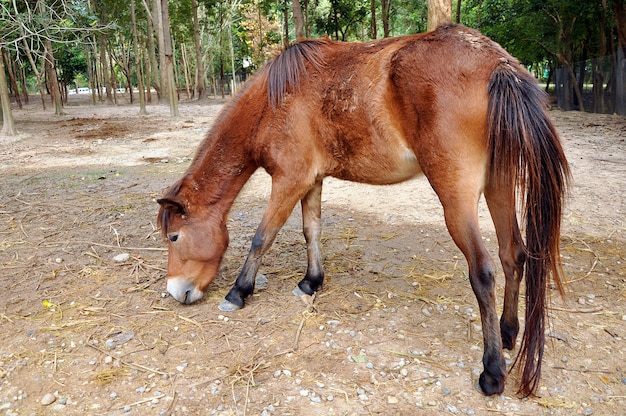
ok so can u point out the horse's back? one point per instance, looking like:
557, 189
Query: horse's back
381, 111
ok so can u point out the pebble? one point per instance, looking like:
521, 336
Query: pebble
48, 399
392, 400
121, 258
588, 412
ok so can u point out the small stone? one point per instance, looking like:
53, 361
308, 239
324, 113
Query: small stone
260, 282
121, 258
564, 359
446, 391
588, 412
108, 359
48, 399
392, 400
304, 392
426, 312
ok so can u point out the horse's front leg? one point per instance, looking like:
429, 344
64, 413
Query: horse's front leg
286, 193
312, 228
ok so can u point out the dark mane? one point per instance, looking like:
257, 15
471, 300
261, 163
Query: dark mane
285, 72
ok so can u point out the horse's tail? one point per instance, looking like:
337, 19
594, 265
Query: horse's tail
527, 160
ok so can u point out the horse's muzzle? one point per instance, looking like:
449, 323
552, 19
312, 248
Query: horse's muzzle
183, 290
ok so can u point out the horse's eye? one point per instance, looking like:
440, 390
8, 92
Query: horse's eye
173, 237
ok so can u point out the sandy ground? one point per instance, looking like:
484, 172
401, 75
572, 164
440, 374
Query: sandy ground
86, 325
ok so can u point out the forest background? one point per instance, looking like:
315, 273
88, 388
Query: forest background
190, 49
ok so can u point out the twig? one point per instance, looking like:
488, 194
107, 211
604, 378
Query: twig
582, 370
587, 310
128, 364
149, 399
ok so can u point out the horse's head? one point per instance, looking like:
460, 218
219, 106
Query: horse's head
196, 243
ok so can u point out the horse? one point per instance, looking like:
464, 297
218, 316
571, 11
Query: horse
451, 105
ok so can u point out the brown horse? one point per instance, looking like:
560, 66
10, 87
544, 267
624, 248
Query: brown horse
450, 104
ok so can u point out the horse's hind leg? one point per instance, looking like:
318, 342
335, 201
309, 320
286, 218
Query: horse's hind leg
460, 205
312, 228
512, 257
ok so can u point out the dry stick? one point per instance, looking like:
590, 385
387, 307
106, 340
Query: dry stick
126, 363
304, 317
149, 399
583, 370
587, 310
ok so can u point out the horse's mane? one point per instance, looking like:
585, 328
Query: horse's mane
286, 71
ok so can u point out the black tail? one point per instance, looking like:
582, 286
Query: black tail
528, 160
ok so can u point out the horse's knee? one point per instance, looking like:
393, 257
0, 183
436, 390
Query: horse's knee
483, 280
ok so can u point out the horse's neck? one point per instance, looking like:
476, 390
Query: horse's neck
218, 173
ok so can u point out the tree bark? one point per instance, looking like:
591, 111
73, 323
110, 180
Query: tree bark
38, 74
200, 83
439, 12
12, 78
142, 98
373, 12
8, 124
105, 70
386, 7
158, 23
169, 59
298, 19
51, 72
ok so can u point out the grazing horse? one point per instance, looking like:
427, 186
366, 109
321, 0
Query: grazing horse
449, 104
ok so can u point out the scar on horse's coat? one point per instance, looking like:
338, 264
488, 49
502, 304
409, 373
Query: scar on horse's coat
449, 104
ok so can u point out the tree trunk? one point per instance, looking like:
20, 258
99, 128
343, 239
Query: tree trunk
186, 70
458, 11
163, 66
386, 7
153, 67
232, 55
51, 73
373, 11
286, 24
12, 78
200, 83
105, 70
169, 59
142, 98
36, 71
298, 19
439, 12
8, 125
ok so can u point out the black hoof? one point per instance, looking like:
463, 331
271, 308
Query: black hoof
509, 335
491, 385
308, 287
235, 298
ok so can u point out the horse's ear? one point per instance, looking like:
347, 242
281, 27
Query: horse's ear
172, 204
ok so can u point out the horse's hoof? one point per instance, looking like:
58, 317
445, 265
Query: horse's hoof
299, 292
260, 282
490, 385
227, 306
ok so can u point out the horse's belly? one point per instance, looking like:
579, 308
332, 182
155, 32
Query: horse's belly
383, 167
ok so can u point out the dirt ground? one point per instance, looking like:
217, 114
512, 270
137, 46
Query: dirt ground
86, 327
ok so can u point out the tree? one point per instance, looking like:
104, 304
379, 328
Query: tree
8, 125
298, 19
169, 59
439, 12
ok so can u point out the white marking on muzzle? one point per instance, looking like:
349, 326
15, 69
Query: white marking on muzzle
183, 290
